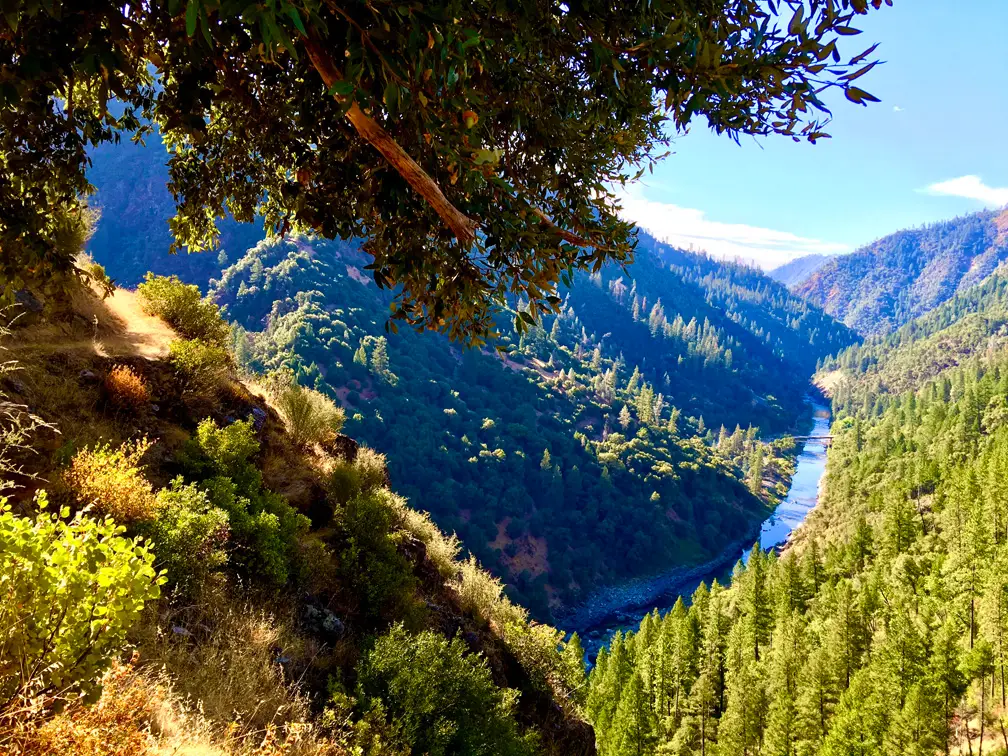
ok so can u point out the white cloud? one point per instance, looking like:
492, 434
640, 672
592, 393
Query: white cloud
972, 187
688, 228
897, 109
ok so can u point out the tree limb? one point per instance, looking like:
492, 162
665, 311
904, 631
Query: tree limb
461, 225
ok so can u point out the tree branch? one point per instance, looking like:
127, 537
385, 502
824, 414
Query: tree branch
461, 225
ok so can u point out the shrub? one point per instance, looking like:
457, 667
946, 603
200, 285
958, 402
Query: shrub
183, 308
112, 481
349, 479
126, 389
71, 590
265, 528
200, 365
311, 417
189, 535
438, 698
368, 561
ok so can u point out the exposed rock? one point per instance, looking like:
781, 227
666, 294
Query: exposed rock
342, 447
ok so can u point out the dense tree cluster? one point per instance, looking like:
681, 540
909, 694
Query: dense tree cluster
881, 629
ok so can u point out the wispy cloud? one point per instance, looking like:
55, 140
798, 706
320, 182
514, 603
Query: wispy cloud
897, 109
689, 228
972, 187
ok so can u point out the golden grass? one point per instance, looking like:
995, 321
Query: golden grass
140, 713
126, 389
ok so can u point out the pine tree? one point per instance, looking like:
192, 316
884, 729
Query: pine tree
645, 405
360, 356
379, 357
624, 417
633, 728
754, 478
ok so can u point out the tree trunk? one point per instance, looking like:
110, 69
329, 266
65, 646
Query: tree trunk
461, 225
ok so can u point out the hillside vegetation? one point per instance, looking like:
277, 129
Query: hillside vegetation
221, 571
904, 275
581, 457
882, 628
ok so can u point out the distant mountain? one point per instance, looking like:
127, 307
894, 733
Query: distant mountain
798, 270
904, 275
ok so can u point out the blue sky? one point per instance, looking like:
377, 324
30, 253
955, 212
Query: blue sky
934, 148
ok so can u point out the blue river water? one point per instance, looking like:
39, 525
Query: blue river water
774, 533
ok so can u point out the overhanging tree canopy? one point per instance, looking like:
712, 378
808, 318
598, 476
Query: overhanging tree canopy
475, 144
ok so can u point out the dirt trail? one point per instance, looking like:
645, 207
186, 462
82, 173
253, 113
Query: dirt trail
115, 327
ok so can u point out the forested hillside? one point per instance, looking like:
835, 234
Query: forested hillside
904, 275
973, 325
594, 450
882, 627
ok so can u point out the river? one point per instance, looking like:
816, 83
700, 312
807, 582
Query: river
774, 532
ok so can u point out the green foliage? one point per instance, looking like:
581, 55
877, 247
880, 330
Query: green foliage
458, 99
438, 698
347, 479
189, 536
264, 527
183, 308
71, 590
201, 366
311, 417
369, 563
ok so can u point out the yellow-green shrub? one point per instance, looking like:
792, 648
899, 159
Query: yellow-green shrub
70, 591
201, 365
311, 417
348, 479
112, 481
182, 307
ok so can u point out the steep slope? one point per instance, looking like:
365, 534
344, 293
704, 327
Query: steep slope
902, 276
298, 591
589, 454
796, 271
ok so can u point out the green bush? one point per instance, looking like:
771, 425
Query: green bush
183, 308
69, 591
200, 365
368, 561
438, 698
311, 417
265, 529
189, 536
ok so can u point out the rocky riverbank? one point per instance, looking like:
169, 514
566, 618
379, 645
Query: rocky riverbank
620, 602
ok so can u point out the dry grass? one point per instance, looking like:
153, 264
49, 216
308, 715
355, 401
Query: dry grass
240, 662
126, 389
112, 481
441, 549
140, 713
